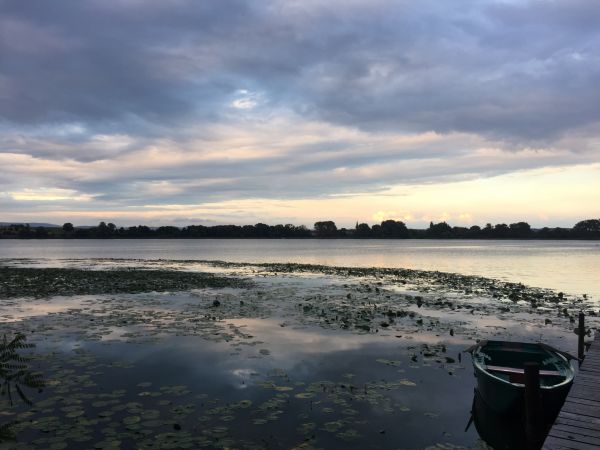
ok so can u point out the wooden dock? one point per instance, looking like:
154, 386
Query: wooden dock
578, 423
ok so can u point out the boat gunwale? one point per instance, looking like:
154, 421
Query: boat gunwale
568, 379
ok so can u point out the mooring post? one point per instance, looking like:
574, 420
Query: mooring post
580, 337
533, 408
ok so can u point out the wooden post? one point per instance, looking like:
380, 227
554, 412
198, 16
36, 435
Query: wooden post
533, 408
580, 337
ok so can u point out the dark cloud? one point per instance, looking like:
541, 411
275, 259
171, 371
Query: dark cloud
89, 87
518, 69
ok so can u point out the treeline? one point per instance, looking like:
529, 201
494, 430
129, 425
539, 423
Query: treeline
388, 229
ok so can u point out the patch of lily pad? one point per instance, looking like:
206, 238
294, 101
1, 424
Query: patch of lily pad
46, 282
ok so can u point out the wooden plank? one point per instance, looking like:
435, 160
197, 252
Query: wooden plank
580, 392
592, 359
587, 378
588, 385
592, 421
570, 435
584, 410
583, 401
555, 443
581, 424
595, 433
591, 383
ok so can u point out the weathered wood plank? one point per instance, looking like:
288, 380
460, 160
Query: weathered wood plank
584, 410
592, 433
593, 421
581, 424
587, 378
579, 392
577, 426
570, 435
583, 401
554, 443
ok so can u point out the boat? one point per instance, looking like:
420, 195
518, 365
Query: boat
500, 373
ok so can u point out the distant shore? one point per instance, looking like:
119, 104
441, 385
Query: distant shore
388, 229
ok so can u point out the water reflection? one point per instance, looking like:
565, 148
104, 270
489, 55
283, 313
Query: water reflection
502, 432
567, 266
505, 431
313, 386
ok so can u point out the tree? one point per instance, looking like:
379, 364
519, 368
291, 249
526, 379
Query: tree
68, 228
325, 229
501, 230
393, 229
520, 230
439, 230
362, 230
262, 230
587, 228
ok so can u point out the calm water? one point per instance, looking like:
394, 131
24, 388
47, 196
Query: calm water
569, 266
271, 366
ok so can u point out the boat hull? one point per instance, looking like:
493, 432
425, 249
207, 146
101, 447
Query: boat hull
505, 398
500, 373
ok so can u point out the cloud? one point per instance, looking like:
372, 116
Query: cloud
131, 103
48, 195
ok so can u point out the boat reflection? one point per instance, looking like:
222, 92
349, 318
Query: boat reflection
502, 431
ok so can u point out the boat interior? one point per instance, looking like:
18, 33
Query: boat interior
506, 360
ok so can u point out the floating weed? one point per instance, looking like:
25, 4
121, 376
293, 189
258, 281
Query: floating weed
307, 428
333, 427
305, 395
349, 435
388, 362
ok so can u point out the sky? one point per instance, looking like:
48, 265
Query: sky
177, 112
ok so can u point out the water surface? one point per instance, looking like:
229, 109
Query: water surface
568, 266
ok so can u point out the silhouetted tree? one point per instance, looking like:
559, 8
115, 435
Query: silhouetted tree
520, 230
439, 230
167, 232
393, 229
325, 229
68, 228
501, 230
261, 230
362, 230
589, 229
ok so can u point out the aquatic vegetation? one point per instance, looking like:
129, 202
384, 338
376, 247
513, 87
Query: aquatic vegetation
45, 282
16, 375
257, 356
15, 370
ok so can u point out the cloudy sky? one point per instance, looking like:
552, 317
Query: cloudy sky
292, 111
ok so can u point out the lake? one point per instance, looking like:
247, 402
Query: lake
568, 266
194, 354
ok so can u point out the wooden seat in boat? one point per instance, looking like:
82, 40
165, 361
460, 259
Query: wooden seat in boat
546, 373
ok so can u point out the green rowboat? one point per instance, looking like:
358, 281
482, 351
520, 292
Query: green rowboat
499, 370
